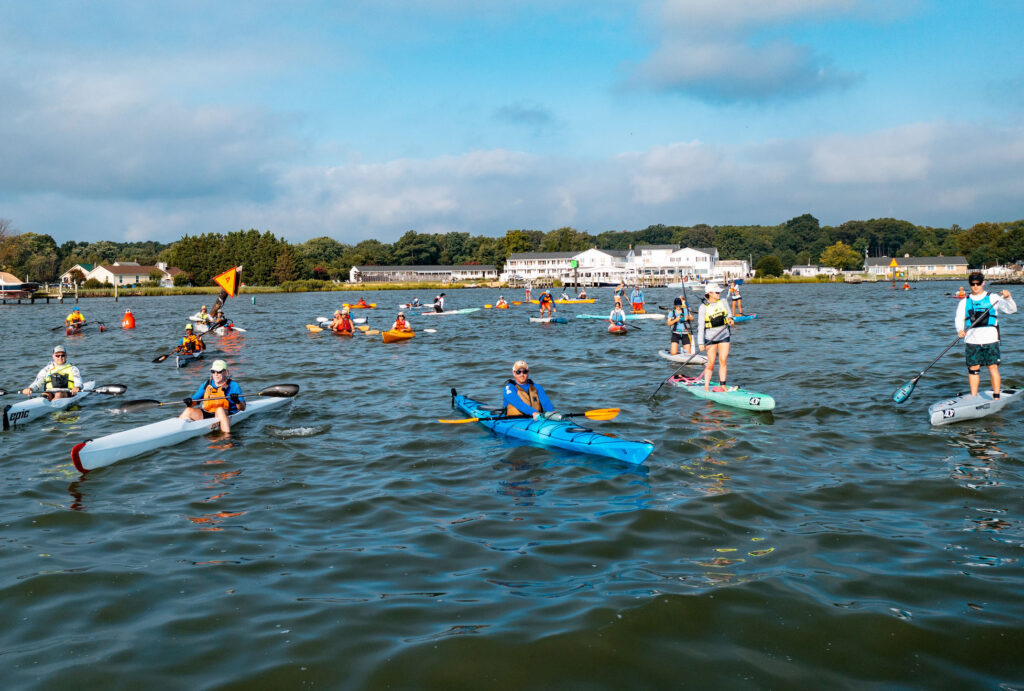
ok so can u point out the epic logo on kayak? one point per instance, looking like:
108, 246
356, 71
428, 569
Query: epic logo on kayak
17, 416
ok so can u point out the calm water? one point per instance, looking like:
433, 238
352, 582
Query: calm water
355, 542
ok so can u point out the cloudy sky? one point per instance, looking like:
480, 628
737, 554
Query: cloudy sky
148, 120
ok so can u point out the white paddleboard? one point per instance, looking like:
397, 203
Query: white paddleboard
969, 407
698, 359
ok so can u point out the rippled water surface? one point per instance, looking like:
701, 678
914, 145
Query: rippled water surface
352, 541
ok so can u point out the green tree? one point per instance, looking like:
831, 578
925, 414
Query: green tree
769, 266
517, 241
416, 249
286, 268
841, 256
566, 240
155, 276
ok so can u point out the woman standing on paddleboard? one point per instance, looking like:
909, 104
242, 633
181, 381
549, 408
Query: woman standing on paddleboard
979, 309
713, 322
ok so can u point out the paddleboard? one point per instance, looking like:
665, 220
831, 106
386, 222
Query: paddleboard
629, 317
744, 317
736, 398
968, 407
697, 359
549, 320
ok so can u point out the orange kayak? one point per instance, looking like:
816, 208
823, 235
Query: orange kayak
367, 306
617, 329
393, 336
501, 307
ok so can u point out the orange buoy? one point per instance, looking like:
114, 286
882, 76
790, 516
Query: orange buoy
129, 320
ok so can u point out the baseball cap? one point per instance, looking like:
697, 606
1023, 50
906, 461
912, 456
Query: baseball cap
189, 326
712, 288
219, 366
59, 349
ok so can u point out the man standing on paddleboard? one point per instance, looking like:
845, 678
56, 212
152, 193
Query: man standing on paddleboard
982, 339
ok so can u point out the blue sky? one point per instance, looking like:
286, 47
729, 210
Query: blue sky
135, 121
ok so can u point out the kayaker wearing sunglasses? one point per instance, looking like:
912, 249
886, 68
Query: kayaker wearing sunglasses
980, 308
219, 397
59, 374
524, 397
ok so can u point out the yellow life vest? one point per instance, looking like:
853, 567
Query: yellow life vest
715, 315
61, 377
530, 398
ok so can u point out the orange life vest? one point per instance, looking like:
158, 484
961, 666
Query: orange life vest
530, 398
214, 392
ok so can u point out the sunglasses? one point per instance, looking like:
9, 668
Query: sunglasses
975, 283
522, 371
219, 371
60, 355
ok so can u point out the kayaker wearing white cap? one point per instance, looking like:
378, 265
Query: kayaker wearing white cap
523, 397
59, 374
501, 303
203, 317
219, 397
713, 332
400, 323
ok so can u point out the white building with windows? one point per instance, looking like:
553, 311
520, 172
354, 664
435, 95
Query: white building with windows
915, 267
433, 272
609, 267
812, 270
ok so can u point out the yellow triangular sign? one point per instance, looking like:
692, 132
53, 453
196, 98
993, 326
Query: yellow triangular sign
229, 280
893, 263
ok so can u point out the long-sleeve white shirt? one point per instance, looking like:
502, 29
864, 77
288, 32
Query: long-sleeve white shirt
74, 381
980, 335
710, 336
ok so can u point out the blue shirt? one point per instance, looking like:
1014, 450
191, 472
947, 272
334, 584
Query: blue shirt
637, 296
512, 398
233, 387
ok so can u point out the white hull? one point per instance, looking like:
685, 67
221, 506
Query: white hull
98, 453
696, 359
18, 414
970, 407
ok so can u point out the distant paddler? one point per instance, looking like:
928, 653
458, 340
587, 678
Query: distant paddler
617, 316
713, 332
190, 342
501, 303
362, 302
219, 319
203, 317
960, 294
636, 299
74, 320
736, 298
219, 397
547, 303
620, 292
59, 374
523, 397
582, 295
680, 330
982, 340
439, 303
415, 303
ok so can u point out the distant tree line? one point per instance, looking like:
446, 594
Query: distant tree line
270, 260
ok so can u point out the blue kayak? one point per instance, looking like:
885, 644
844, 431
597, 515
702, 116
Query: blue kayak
561, 434
744, 317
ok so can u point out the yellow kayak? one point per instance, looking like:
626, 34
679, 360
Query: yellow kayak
569, 302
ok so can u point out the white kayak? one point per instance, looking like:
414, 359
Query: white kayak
220, 330
549, 320
98, 453
968, 407
186, 359
466, 310
696, 359
19, 413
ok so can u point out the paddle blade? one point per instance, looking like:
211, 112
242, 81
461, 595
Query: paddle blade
3, 392
372, 332
111, 389
903, 393
487, 307
280, 390
141, 404
430, 331
312, 329
602, 414
363, 328
460, 422
161, 358
322, 319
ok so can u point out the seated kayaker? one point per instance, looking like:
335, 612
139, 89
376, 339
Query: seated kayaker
362, 302
582, 295
501, 302
565, 297
203, 317
960, 293
59, 374
218, 397
678, 327
618, 316
342, 322
524, 398
74, 318
190, 343
219, 319
416, 303
400, 323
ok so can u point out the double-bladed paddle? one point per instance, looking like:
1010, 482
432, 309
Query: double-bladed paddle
276, 391
903, 393
108, 389
596, 414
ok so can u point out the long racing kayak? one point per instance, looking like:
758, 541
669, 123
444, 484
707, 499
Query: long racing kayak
560, 434
16, 414
465, 310
744, 317
570, 301
736, 398
696, 359
628, 316
98, 453
186, 359
967, 407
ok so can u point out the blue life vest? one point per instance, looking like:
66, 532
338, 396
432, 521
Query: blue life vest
975, 308
680, 326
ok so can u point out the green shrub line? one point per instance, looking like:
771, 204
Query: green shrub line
300, 286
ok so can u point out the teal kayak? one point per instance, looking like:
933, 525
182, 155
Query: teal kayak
561, 434
736, 398
744, 317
